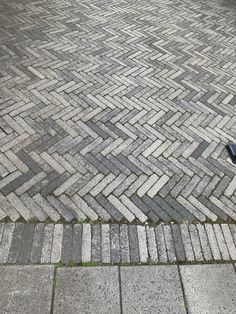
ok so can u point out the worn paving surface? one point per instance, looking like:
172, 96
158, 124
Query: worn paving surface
26, 289
117, 110
173, 289
209, 288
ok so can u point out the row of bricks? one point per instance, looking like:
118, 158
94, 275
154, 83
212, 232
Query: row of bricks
22, 243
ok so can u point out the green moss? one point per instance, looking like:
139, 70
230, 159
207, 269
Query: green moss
58, 264
72, 264
91, 264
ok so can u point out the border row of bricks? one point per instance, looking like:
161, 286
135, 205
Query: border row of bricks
22, 243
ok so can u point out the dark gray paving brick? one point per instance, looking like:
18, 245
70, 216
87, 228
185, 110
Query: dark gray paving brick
16, 243
37, 244
133, 243
26, 247
115, 243
179, 247
67, 243
77, 244
96, 243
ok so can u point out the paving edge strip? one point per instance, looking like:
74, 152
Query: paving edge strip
116, 244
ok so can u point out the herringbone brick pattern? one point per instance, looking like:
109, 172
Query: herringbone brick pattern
117, 110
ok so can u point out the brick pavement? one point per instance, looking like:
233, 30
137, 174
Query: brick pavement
116, 244
117, 110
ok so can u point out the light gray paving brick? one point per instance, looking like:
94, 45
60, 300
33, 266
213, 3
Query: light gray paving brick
101, 211
169, 243
115, 243
207, 212
125, 185
192, 209
85, 207
158, 185
149, 150
27, 185
122, 208
231, 187
106, 252
20, 207
221, 242
67, 184
187, 243
151, 243
229, 241
136, 184
124, 244
50, 211
63, 211
133, 208
91, 184
8, 209
147, 185
86, 243
225, 208
77, 212
206, 250
213, 242
102, 184
114, 184
196, 244
57, 243
6, 242
161, 246
47, 244
190, 186
38, 212
142, 241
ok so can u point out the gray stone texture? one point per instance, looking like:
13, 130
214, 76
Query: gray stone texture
26, 289
209, 289
151, 289
87, 290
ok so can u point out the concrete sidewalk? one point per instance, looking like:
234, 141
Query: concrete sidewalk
38, 289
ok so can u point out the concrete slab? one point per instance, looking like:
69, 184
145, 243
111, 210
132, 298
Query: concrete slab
87, 290
209, 289
151, 289
26, 289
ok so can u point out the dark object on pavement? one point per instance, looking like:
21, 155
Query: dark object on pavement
232, 151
